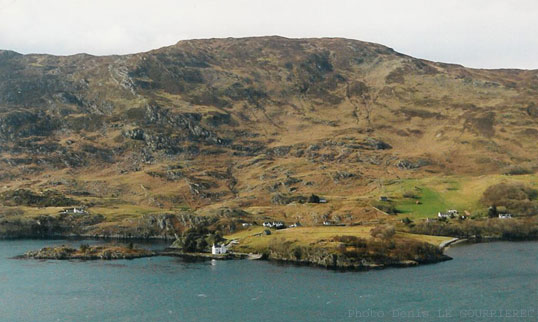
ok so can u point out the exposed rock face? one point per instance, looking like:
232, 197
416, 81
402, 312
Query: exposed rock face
409, 165
155, 226
47, 226
135, 134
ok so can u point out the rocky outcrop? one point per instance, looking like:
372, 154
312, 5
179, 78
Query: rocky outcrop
377, 144
188, 122
23, 123
24, 197
410, 165
284, 199
49, 226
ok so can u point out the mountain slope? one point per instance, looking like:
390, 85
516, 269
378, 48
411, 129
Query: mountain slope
254, 124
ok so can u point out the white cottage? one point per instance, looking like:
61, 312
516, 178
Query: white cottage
449, 214
78, 210
218, 249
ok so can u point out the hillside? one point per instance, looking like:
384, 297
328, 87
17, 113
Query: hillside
250, 128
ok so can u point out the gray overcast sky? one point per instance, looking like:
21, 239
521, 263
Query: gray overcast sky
475, 33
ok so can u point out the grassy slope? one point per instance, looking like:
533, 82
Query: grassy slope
250, 240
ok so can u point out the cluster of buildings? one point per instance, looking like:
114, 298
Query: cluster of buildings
274, 224
454, 214
332, 223
75, 210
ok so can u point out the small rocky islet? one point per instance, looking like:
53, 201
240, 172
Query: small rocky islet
86, 252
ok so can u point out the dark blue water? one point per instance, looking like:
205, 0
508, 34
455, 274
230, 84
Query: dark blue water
501, 278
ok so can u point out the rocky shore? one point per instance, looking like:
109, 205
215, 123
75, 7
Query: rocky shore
202, 256
343, 262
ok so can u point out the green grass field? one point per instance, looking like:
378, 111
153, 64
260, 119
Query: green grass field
442, 193
430, 200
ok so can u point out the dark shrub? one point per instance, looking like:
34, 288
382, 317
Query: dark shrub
410, 195
387, 207
383, 232
517, 170
517, 198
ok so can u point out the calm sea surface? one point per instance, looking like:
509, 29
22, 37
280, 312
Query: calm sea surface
485, 282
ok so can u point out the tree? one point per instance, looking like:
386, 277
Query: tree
492, 212
313, 199
197, 240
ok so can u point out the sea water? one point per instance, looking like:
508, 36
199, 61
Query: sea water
484, 282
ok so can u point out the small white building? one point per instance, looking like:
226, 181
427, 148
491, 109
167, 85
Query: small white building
505, 216
218, 249
449, 214
444, 215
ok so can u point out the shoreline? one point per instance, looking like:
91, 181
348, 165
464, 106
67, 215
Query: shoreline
447, 243
201, 256
170, 252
